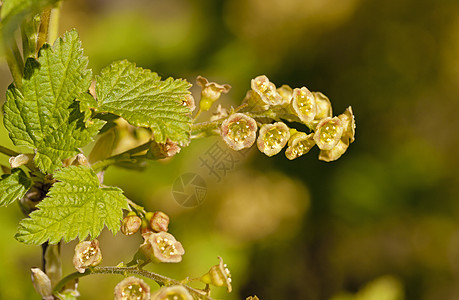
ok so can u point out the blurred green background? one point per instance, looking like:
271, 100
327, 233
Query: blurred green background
380, 223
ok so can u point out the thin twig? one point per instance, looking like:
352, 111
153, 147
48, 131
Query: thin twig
136, 206
127, 155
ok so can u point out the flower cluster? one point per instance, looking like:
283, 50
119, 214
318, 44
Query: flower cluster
265, 103
158, 246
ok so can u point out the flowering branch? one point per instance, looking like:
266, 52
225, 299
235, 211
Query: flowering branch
160, 279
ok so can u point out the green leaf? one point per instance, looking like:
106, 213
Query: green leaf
76, 206
87, 104
13, 186
14, 12
141, 98
43, 114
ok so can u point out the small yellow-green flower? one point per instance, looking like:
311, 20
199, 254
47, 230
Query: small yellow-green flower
162, 247
304, 105
219, 113
239, 131
218, 275
272, 138
132, 288
299, 144
328, 133
347, 118
163, 150
189, 102
334, 153
323, 106
210, 92
87, 254
175, 292
266, 91
347, 137
286, 93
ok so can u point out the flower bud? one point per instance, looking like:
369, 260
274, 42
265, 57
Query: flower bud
218, 275
68, 161
20, 160
87, 254
347, 118
335, 152
210, 92
304, 105
42, 284
266, 91
81, 160
131, 224
77, 160
239, 131
176, 292
161, 247
159, 221
299, 144
132, 288
328, 133
323, 106
272, 138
